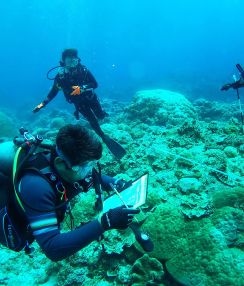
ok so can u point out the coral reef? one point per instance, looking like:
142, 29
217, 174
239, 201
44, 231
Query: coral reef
160, 107
147, 270
194, 153
213, 110
193, 250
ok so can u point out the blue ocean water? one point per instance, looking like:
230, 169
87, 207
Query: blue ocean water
183, 45
193, 151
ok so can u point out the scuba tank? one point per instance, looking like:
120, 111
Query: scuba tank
7, 154
24, 147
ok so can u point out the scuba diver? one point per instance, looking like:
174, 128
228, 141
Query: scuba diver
236, 85
78, 84
44, 182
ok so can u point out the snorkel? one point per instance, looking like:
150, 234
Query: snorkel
68, 63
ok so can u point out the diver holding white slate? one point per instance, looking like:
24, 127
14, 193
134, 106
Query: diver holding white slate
38, 182
132, 196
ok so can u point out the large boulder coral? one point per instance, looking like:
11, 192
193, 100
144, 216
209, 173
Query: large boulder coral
229, 197
160, 107
194, 251
147, 271
165, 225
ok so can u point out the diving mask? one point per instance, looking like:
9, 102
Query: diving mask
84, 169
80, 170
71, 62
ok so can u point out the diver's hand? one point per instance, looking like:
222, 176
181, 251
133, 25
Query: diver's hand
38, 107
118, 218
122, 184
234, 85
77, 90
226, 87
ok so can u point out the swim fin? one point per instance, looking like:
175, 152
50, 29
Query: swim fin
114, 147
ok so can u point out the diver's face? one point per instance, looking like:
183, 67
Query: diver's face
74, 173
71, 62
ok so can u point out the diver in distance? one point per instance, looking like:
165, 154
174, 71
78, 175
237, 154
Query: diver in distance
78, 85
238, 83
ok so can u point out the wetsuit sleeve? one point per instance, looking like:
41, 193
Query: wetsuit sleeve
106, 181
52, 93
38, 194
90, 81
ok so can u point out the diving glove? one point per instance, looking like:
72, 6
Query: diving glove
38, 107
77, 90
122, 184
118, 218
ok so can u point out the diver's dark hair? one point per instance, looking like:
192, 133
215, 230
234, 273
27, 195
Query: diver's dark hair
69, 53
78, 144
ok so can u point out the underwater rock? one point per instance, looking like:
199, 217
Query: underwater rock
15, 266
147, 271
160, 107
189, 185
216, 159
230, 152
229, 197
70, 276
203, 245
165, 226
124, 274
230, 222
120, 274
241, 149
84, 212
194, 251
57, 123
8, 128
196, 205
207, 265
118, 132
213, 110
115, 241
191, 128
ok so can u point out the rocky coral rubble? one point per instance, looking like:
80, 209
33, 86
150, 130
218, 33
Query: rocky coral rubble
195, 156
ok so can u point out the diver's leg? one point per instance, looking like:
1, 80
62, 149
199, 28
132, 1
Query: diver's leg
91, 118
115, 148
76, 112
96, 107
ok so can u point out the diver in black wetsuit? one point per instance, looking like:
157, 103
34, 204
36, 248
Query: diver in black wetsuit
39, 204
234, 85
78, 84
